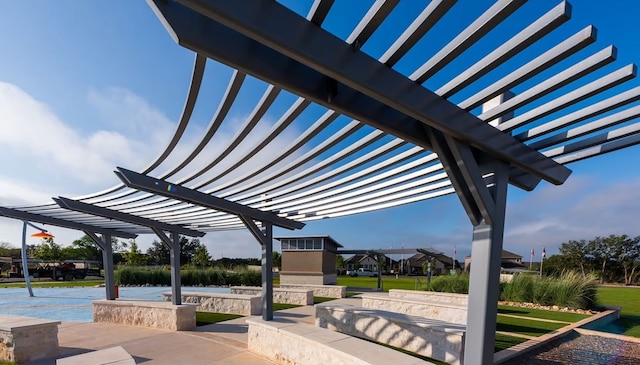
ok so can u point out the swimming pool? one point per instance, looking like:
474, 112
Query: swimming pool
74, 304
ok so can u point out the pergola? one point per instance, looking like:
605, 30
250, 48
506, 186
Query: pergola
369, 134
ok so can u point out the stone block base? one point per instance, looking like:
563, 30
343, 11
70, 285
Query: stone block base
280, 295
244, 305
452, 313
432, 296
435, 339
146, 314
328, 291
286, 342
24, 339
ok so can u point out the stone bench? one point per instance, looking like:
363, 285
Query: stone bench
450, 298
328, 291
436, 339
145, 314
112, 356
244, 305
25, 339
453, 313
280, 295
286, 342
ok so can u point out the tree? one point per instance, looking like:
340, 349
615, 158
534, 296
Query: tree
339, 262
202, 257
7, 250
629, 256
158, 253
134, 257
188, 249
576, 254
277, 259
47, 250
90, 251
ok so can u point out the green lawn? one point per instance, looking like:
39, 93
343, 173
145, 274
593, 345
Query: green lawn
388, 282
503, 342
526, 326
541, 313
629, 300
204, 318
54, 284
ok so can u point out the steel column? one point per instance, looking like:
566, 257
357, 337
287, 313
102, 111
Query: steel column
176, 283
486, 251
107, 264
267, 272
104, 244
173, 243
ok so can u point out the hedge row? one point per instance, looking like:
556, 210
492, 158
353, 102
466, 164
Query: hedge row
190, 277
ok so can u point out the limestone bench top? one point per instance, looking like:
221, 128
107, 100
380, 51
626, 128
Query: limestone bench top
289, 342
275, 289
426, 293
416, 300
213, 295
11, 323
139, 303
417, 321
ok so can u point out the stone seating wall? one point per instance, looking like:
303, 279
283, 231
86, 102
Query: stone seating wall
436, 339
242, 304
328, 291
24, 339
280, 295
452, 313
145, 314
449, 298
286, 342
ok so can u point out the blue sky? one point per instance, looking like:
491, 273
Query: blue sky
87, 86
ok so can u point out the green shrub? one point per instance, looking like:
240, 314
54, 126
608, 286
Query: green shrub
570, 289
189, 277
451, 284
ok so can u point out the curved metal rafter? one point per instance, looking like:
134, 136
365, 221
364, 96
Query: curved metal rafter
314, 177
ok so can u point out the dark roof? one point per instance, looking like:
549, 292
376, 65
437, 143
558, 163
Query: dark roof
326, 237
357, 258
507, 255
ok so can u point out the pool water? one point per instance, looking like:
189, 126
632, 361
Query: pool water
74, 304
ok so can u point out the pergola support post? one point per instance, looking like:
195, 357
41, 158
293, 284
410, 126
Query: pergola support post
265, 238
267, 273
484, 284
173, 243
481, 184
107, 264
104, 244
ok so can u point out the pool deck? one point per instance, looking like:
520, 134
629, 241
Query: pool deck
220, 343
226, 343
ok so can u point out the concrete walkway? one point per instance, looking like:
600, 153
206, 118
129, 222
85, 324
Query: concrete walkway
215, 344
226, 342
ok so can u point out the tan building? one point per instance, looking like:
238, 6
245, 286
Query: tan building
308, 260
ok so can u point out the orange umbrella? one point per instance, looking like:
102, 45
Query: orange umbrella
42, 235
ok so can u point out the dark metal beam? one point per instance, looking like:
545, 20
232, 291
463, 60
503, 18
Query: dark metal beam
71, 204
31, 217
307, 44
258, 60
178, 192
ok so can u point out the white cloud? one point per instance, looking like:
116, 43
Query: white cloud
580, 209
35, 138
